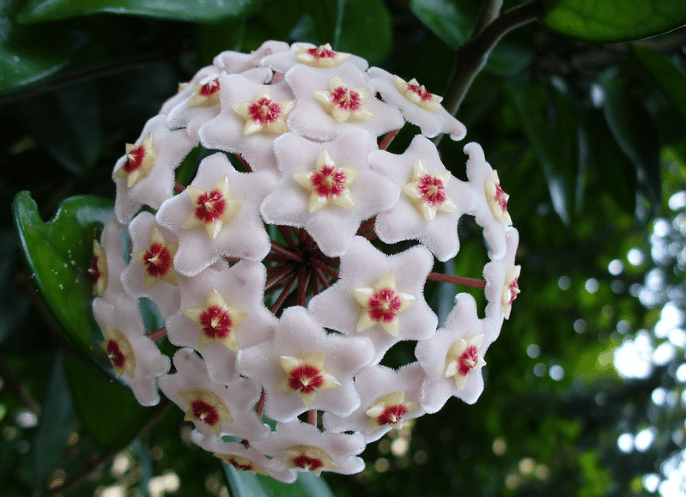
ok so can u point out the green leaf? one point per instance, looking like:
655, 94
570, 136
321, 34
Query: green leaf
668, 78
13, 305
58, 254
107, 410
36, 11
25, 58
635, 132
67, 123
245, 484
453, 21
609, 21
547, 139
367, 30
55, 425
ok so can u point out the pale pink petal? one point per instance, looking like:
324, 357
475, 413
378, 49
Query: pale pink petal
283, 61
237, 62
495, 273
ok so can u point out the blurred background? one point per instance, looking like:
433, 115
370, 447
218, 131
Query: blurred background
587, 128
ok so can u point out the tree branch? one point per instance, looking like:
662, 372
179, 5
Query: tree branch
472, 56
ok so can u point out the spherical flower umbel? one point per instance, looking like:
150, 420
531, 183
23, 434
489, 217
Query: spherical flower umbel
288, 253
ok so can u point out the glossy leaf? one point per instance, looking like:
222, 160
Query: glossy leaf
668, 78
453, 22
35, 11
58, 254
107, 410
634, 131
26, 59
55, 425
67, 123
246, 484
366, 29
609, 21
546, 138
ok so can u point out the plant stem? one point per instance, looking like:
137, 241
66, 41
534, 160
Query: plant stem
490, 10
457, 280
471, 57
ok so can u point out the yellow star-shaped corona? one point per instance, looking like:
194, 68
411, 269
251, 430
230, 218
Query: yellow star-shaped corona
212, 209
206, 407
140, 159
157, 260
119, 351
381, 304
328, 184
207, 94
312, 459
305, 376
389, 410
322, 56
218, 321
418, 94
242, 463
342, 103
98, 269
263, 114
427, 191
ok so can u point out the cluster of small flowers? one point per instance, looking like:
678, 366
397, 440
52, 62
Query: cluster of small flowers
268, 266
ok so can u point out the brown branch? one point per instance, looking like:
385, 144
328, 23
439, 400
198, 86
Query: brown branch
157, 334
457, 280
243, 162
289, 254
388, 138
312, 417
284, 294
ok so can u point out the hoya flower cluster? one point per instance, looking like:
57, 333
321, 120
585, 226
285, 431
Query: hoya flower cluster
277, 267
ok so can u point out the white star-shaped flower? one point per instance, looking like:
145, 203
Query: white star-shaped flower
300, 367
330, 224
417, 105
502, 279
145, 174
432, 201
364, 272
215, 409
214, 207
221, 312
452, 359
131, 353
227, 131
242, 233
330, 103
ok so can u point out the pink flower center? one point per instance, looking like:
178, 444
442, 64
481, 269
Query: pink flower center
500, 197
420, 91
308, 463
391, 415
328, 181
467, 360
209, 88
431, 190
384, 305
264, 111
321, 53
305, 379
216, 322
93, 270
115, 354
157, 260
514, 290
239, 466
204, 412
134, 159
348, 100
210, 206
